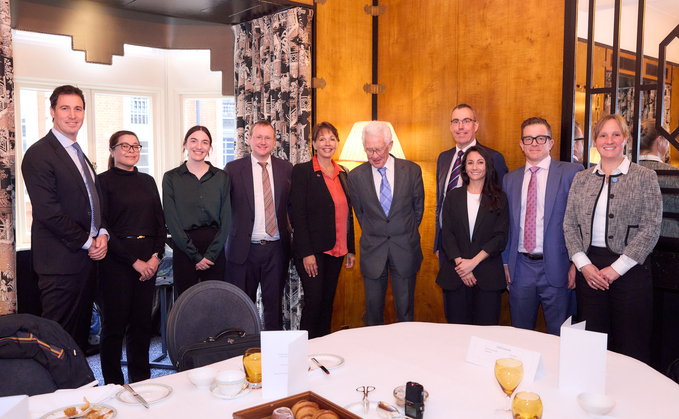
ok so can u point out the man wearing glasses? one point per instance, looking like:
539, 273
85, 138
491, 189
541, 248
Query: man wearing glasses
537, 268
463, 126
578, 145
388, 198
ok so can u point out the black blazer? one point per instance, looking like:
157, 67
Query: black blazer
313, 212
61, 208
490, 234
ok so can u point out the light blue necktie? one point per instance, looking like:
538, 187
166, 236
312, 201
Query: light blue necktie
91, 188
385, 191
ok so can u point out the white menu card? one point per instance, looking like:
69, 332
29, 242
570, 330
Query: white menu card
582, 361
285, 363
485, 352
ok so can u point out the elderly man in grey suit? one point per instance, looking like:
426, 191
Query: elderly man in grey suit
388, 198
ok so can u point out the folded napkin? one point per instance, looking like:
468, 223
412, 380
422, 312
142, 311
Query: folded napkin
45, 403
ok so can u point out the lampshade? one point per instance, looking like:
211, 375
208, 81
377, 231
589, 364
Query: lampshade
353, 148
594, 156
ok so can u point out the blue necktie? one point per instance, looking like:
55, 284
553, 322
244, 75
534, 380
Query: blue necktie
455, 174
385, 191
91, 188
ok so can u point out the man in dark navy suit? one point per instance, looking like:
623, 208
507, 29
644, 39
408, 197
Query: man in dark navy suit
258, 245
67, 234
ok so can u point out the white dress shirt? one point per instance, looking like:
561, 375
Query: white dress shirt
624, 263
473, 204
67, 143
259, 228
377, 177
541, 179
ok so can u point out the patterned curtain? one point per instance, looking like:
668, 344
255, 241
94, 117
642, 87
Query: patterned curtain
7, 170
272, 67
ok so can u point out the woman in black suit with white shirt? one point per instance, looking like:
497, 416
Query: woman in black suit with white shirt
474, 234
323, 229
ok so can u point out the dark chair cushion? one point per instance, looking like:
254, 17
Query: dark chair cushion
24, 376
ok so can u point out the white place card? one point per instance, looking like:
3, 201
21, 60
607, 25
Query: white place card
485, 352
14, 407
285, 363
582, 361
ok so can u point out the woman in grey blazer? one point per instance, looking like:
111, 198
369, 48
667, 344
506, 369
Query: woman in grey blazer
611, 225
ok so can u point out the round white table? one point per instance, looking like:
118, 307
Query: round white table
434, 355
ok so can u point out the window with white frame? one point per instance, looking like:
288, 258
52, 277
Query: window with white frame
218, 115
106, 111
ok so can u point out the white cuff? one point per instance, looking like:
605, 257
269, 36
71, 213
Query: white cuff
623, 264
580, 259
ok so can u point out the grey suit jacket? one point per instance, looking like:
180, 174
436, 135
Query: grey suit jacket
633, 217
397, 235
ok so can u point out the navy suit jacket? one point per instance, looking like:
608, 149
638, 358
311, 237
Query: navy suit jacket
243, 206
60, 205
443, 165
554, 250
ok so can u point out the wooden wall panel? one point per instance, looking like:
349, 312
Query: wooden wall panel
502, 57
344, 60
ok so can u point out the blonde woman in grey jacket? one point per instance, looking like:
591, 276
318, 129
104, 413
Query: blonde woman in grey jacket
611, 225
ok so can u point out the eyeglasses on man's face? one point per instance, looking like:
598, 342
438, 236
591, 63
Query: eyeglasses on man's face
465, 121
541, 139
371, 151
127, 147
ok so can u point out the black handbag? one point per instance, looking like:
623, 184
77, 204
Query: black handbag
226, 344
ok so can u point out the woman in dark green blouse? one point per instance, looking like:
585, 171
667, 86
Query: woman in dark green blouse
197, 213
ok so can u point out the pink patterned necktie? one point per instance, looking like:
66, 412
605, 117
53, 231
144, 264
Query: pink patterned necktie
531, 211
269, 216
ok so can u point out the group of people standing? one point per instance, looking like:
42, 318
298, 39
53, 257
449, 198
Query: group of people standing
555, 226
494, 230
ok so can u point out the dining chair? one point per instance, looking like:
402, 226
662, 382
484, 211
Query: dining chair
205, 310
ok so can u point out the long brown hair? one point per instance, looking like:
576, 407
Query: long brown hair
113, 141
490, 186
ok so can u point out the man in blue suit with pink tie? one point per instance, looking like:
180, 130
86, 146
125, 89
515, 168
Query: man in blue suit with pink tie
537, 267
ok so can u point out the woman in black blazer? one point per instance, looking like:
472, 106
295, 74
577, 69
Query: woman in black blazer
323, 228
472, 278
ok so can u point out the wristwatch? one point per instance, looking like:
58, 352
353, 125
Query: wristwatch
157, 256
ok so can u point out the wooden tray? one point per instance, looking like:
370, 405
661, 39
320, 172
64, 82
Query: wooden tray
263, 411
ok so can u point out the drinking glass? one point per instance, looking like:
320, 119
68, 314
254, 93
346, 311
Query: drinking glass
509, 372
527, 405
252, 361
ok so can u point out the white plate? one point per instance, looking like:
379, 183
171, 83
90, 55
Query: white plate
59, 413
357, 409
329, 361
214, 390
152, 393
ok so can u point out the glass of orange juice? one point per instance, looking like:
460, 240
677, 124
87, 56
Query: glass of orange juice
252, 361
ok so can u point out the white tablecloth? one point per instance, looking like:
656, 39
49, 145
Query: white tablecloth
434, 355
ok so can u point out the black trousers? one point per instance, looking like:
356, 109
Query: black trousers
402, 289
472, 305
265, 266
624, 311
126, 304
184, 268
319, 294
68, 300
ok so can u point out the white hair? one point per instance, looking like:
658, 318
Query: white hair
375, 129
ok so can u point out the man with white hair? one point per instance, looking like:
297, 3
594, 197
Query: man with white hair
388, 198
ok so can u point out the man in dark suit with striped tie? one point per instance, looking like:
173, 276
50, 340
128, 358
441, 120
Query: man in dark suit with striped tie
67, 234
463, 126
